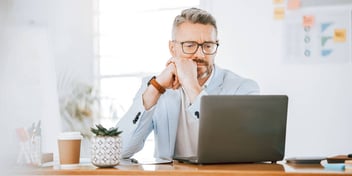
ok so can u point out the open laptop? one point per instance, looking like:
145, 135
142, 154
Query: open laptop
241, 129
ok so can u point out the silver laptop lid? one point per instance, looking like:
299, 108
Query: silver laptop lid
242, 128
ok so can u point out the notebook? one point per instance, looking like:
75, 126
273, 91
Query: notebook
241, 129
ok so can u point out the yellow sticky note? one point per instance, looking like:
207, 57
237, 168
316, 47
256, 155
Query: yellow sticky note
279, 13
340, 35
293, 4
308, 20
278, 1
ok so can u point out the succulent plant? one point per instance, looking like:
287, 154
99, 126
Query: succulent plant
102, 131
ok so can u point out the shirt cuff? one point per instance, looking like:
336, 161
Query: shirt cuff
194, 108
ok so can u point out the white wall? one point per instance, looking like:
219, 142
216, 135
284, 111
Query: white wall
70, 27
39, 40
320, 96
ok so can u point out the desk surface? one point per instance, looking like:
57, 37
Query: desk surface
177, 168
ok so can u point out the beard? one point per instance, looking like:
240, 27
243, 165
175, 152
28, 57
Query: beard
203, 68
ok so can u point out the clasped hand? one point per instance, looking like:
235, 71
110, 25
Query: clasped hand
179, 72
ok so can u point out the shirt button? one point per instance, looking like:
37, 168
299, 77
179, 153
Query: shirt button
136, 118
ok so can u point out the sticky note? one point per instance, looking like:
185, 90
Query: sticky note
335, 166
293, 4
279, 13
340, 35
278, 1
308, 20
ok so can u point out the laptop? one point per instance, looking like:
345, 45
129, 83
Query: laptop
241, 129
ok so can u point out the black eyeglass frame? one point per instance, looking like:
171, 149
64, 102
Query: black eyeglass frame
199, 44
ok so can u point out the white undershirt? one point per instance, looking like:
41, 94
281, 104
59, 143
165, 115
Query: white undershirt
187, 132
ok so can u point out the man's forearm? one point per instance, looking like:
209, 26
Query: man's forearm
150, 97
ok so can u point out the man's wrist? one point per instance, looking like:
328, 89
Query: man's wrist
156, 85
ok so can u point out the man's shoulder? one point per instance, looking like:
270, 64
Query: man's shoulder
233, 81
228, 74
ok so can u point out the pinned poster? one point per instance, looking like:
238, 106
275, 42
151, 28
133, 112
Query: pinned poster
320, 35
308, 20
279, 13
293, 4
340, 35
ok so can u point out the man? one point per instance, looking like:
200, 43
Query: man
169, 103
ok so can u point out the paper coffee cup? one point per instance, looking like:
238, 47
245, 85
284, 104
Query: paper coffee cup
69, 149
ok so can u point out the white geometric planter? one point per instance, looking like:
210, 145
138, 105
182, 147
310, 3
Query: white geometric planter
105, 151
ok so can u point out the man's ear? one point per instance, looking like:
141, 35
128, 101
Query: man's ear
172, 48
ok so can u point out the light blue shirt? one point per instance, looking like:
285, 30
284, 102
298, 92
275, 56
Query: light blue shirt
137, 123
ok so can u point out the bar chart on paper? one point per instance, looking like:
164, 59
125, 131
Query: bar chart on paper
321, 35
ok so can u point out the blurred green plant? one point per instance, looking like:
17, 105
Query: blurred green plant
102, 131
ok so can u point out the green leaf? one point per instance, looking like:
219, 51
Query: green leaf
102, 131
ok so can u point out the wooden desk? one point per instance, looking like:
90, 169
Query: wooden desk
177, 168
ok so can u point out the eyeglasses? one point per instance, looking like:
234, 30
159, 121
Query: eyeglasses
191, 47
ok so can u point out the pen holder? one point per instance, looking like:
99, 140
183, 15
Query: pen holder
36, 150
30, 148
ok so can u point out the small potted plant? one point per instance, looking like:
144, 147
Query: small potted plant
106, 144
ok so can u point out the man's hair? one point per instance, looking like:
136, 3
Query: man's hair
193, 15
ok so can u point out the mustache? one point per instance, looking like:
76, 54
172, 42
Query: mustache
201, 61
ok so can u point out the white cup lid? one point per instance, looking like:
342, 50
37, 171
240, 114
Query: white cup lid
70, 135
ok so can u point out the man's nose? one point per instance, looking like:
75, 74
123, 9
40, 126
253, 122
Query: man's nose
199, 53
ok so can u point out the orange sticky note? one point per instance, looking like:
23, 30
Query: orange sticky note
278, 1
293, 4
279, 13
340, 35
308, 20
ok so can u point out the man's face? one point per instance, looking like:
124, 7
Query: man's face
199, 33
